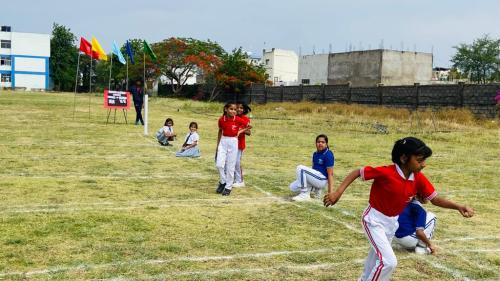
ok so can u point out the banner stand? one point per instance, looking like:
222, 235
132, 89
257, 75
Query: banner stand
114, 117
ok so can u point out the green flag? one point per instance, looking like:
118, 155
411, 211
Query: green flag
149, 51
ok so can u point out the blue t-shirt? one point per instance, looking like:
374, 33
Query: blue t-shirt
412, 218
323, 160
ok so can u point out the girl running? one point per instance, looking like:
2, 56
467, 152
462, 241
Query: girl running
392, 189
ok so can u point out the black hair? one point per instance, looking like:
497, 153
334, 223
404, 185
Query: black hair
169, 120
193, 123
246, 108
325, 137
409, 146
226, 106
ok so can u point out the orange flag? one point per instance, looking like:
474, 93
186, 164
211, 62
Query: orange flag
96, 47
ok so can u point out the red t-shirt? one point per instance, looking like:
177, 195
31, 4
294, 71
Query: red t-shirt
241, 137
231, 125
391, 192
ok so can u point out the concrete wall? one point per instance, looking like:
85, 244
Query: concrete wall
282, 66
361, 68
406, 68
480, 99
370, 68
314, 68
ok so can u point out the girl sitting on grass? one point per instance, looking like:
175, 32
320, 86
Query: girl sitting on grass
190, 145
166, 133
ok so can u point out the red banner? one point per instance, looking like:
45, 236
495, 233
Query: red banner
116, 99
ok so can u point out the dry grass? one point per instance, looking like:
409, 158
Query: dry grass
85, 200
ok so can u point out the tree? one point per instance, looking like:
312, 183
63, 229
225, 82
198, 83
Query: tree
63, 58
479, 60
234, 74
180, 58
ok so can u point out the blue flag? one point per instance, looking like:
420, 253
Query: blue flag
119, 54
130, 53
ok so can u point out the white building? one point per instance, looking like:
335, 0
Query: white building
282, 66
313, 69
24, 59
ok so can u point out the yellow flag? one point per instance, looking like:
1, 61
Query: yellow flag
96, 47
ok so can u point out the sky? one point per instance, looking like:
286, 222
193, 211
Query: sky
305, 26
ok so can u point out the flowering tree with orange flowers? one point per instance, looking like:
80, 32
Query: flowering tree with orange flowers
234, 73
182, 58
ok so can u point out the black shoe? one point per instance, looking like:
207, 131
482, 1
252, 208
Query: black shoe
168, 144
226, 192
162, 144
220, 188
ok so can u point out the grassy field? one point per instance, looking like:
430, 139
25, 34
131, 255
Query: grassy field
84, 200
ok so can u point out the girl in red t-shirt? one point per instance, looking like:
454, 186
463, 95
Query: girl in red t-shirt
230, 126
392, 189
243, 109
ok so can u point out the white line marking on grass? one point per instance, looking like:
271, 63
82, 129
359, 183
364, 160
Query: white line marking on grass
347, 225
140, 202
164, 261
468, 238
452, 271
144, 205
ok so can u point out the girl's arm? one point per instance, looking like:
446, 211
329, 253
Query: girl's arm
188, 146
448, 204
421, 235
219, 135
332, 198
329, 171
248, 127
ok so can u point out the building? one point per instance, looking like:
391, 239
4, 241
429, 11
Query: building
374, 67
313, 69
24, 59
282, 66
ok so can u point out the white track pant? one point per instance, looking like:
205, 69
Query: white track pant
227, 151
411, 241
308, 178
238, 172
379, 230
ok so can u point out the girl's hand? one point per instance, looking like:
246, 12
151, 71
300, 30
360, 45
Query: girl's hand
432, 248
330, 199
466, 211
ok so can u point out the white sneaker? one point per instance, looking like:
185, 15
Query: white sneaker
316, 193
422, 250
239, 184
303, 196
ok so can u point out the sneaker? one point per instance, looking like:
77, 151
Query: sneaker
162, 144
239, 184
220, 188
226, 192
422, 250
316, 193
303, 196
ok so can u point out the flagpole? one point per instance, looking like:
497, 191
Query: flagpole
110, 69
90, 82
126, 84
145, 97
76, 83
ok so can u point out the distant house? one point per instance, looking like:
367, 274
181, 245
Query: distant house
366, 68
281, 66
440, 74
24, 59
313, 69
